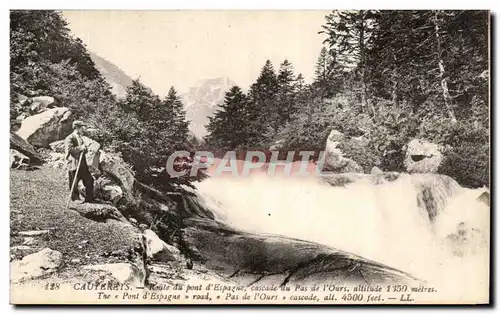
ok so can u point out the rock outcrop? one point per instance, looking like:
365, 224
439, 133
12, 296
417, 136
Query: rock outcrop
334, 159
42, 129
18, 160
92, 155
484, 198
98, 212
376, 170
117, 169
20, 145
35, 265
157, 249
113, 177
105, 189
250, 258
41, 103
422, 157
123, 272
57, 146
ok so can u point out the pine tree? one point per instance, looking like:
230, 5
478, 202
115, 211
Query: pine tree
299, 83
226, 128
329, 74
180, 125
262, 107
349, 38
286, 94
322, 65
141, 100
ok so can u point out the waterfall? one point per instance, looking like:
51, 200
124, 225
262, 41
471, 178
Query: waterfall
423, 224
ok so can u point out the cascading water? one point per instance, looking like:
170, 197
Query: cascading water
426, 225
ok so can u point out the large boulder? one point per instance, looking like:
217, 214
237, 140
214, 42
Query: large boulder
92, 154
41, 103
18, 160
256, 258
334, 159
56, 161
107, 190
98, 212
21, 117
57, 146
20, 145
484, 198
157, 249
123, 272
21, 100
104, 189
35, 265
422, 157
17, 104
114, 166
41, 129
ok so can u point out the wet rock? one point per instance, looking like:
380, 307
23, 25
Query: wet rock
41, 129
36, 265
250, 258
422, 157
484, 198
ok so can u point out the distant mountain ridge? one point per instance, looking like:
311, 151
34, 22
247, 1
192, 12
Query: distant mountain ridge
115, 76
202, 100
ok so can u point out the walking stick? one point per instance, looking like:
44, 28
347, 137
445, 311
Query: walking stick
74, 179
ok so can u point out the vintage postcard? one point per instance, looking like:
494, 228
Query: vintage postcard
250, 157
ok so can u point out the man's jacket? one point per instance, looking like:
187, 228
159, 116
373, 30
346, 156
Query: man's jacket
73, 147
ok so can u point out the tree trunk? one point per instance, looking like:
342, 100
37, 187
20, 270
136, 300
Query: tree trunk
444, 83
364, 90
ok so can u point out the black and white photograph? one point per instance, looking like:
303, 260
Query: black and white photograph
273, 157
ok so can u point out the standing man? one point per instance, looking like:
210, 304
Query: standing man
74, 148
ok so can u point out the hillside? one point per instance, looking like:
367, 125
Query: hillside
115, 76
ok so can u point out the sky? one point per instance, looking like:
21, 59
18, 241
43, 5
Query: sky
179, 48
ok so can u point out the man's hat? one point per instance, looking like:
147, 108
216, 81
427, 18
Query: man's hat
78, 123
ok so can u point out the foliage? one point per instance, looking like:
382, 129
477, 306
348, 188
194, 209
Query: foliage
47, 60
226, 127
389, 76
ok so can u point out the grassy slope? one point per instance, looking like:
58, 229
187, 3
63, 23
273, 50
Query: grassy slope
38, 201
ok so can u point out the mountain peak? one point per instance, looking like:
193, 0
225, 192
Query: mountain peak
203, 99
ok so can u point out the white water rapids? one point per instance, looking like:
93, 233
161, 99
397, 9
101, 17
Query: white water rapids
379, 222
